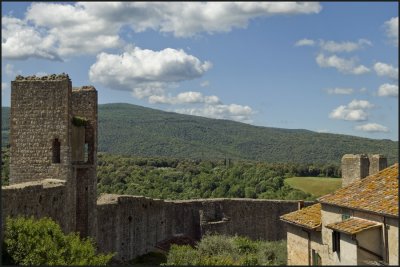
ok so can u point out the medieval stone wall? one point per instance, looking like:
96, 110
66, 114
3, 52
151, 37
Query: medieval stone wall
131, 225
44, 198
40, 113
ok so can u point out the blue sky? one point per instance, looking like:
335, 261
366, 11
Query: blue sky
326, 67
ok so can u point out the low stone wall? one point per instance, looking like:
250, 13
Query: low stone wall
132, 225
44, 198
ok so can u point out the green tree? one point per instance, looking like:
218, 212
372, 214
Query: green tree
28, 241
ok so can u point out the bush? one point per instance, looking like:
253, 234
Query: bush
41, 242
225, 250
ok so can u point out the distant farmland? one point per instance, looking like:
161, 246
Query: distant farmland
317, 186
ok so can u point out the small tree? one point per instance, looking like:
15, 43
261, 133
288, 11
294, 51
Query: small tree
41, 242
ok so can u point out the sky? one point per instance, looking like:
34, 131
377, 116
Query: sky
327, 67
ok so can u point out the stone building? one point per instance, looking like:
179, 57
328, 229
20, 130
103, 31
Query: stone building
356, 225
53, 135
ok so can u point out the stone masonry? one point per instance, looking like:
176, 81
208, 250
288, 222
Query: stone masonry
359, 166
43, 141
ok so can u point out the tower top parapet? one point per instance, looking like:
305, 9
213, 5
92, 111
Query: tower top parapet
52, 77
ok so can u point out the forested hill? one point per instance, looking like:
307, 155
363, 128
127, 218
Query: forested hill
135, 130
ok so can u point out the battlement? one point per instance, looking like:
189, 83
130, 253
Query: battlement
359, 166
52, 77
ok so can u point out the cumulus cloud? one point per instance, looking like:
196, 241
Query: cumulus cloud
346, 46
190, 18
354, 111
383, 69
90, 27
340, 91
21, 41
372, 128
335, 47
221, 111
392, 30
360, 104
305, 42
145, 71
347, 66
387, 89
150, 74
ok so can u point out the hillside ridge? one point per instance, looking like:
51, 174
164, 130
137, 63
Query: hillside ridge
135, 130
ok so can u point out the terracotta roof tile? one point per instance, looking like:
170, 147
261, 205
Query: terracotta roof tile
309, 217
352, 225
376, 193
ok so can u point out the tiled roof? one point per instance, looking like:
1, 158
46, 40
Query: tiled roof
309, 217
352, 225
376, 193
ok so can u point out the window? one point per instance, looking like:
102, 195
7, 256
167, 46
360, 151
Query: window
345, 216
86, 153
56, 151
336, 242
316, 258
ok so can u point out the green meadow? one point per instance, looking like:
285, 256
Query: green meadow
317, 186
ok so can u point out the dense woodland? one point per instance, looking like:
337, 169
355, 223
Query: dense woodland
169, 178
138, 131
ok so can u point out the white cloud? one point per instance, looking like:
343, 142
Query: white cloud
75, 29
305, 42
205, 83
363, 90
144, 71
91, 27
387, 89
354, 111
343, 65
347, 46
21, 41
344, 113
221, 111
372, 127
340, 91
323, 131
360, 104
190, 18
383, 69
392, 30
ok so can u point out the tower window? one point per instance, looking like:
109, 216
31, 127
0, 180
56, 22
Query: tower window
56, 151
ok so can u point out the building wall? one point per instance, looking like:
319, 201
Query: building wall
371, 240
131, 225
297, 246
393, 240
354, 167
40, 112
44, 198
300, 243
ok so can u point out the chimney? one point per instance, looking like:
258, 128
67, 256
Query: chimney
354, 167
377, 163
300, 204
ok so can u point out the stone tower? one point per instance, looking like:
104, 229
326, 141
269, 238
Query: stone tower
53, 135
359, 166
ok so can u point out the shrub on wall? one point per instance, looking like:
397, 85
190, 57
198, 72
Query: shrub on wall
28, 241
79, 121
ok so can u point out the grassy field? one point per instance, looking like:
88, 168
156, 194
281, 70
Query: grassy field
317, 186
